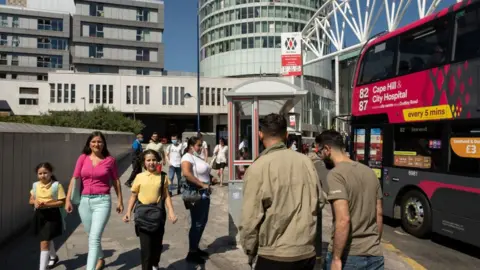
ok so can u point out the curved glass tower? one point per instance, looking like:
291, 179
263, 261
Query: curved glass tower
241, 38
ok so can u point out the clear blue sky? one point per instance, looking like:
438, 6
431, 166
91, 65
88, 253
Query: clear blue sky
180, 32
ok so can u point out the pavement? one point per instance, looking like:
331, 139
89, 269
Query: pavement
121, 246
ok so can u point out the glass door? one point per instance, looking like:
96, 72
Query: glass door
368, 147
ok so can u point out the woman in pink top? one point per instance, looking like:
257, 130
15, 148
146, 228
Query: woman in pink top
97, 171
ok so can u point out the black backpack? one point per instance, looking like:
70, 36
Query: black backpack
151, 217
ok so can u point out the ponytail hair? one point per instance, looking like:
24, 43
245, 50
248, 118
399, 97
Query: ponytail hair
190, 143
48, 167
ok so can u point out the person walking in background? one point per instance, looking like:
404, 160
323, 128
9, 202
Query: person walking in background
146, 189
356, 197
48, 198
197, 173
280, 203
97, 170
174, 156
184, 145
220, 152
204, 151
136, 159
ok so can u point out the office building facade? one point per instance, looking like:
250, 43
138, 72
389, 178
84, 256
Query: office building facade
118, 36
32, 43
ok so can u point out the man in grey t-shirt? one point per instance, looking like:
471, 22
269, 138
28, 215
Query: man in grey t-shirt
356, 197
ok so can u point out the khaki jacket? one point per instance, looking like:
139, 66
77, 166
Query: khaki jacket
280, 206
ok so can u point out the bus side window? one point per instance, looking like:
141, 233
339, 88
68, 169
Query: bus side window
467, 41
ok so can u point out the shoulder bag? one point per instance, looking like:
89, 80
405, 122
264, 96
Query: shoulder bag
151, 217
76, 194
191, 193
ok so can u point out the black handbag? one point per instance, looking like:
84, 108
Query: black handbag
151, 217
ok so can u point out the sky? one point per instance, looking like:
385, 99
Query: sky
180, 32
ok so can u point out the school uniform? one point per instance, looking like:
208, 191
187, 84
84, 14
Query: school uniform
48, 222
147, 187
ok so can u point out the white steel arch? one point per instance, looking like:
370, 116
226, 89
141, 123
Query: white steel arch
325, 33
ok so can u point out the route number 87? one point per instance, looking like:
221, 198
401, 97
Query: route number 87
362, 105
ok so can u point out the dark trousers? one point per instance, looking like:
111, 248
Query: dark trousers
266, 264
151, 245
136, 169
199, 215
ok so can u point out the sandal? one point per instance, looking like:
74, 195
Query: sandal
52, 262
102, 266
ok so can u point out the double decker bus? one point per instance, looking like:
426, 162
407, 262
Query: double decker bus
416, 121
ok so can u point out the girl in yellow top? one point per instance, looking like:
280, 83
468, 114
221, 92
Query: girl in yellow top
48, 198
146, 189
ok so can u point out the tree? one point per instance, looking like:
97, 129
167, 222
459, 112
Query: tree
100, 118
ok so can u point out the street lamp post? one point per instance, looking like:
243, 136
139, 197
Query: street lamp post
84, 105
198, 68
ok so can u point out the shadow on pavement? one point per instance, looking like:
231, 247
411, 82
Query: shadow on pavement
184, 265
80, 260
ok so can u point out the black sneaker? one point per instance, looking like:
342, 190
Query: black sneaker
194, 257
128, 184
52, 262
202, 253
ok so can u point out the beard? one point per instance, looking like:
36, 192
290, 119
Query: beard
328, 163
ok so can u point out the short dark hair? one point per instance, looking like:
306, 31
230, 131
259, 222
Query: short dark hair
154, 133
273, 125
331, 138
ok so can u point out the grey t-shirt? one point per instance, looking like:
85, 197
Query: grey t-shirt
358, 184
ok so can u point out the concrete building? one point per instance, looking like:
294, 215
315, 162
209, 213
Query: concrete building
32, 43
118, 36
241, 38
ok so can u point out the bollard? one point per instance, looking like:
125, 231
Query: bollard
235, 200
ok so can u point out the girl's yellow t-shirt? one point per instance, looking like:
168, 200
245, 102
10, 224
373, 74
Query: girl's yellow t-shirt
44, 192
147, 186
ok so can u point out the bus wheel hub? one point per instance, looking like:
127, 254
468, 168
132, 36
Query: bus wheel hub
414, 212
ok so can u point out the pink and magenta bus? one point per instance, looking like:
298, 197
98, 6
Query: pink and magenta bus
416, 121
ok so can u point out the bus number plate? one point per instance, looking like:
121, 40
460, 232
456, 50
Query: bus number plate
412, 173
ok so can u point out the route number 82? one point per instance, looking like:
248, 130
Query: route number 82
364, 93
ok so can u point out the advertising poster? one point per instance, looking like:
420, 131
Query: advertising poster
359, 144
466, 147
291, 54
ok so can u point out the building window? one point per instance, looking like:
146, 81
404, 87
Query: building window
182, 95
176, 95
59, 93
53, 25
143, 55
142, 14
14, 60
143, 35
207, 96
50, 61
3, 40
51, 43
28, 101
28, 91
213, 96
147, 95
202, 99
3, 75
96, 30
97, 93
95, 51
15, 22
164, 95
96, 10
219, 96
14, 76
140, 94
42, 77
135, 100
3, 59
110, 94
52, 93
104, 94
72, 93
90, 94
143, 71
3, 20
129, 94
170, 95
15, 41
65, 93
223, 94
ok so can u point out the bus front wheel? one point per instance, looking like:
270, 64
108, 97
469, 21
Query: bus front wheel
416, 214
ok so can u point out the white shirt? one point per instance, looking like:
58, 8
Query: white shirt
200, 168
221, 154
174, 154
204, 148
184, 145
154, 146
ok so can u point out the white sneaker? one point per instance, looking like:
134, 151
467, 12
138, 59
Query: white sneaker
155, 267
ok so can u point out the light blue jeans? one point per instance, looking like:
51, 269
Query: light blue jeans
94, 211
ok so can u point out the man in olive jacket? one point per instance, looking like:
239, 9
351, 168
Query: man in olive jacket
280, 203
